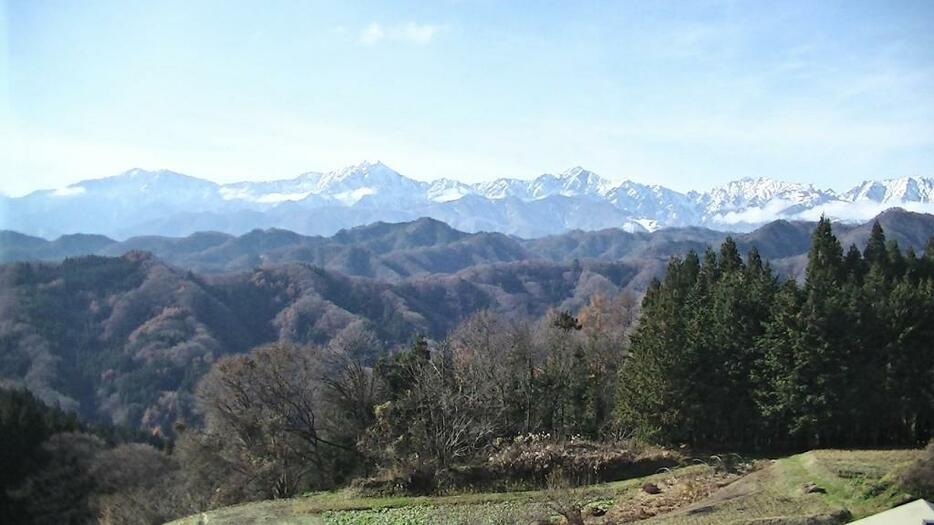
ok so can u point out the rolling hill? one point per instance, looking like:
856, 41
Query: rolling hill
426, 246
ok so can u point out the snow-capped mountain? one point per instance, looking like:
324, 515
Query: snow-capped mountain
447, 190
655, 204
575, 182
140, 202
273, 192
746, 193
749, 202
346, 186
895, 191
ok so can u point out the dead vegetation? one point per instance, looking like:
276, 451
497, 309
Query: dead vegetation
918, 478
678, 491
535, 458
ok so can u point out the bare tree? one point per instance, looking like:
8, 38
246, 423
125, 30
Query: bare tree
349, 380
264, 413
493, 362
562, 498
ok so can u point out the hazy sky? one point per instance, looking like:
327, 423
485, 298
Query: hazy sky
685, 94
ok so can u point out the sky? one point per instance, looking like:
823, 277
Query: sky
687, 94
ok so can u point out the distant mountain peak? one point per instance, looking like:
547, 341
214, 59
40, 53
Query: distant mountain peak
366, 167
575, 172
904, 189
137, 173
141, 201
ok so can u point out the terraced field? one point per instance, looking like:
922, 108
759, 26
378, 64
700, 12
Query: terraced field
817, 487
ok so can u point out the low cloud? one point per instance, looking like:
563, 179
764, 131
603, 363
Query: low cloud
410, 32
861, 211
838, 210
756, 215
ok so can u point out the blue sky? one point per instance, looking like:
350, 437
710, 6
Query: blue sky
684, 94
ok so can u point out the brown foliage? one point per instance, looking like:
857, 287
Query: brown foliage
918, 478
535, 457
267, 415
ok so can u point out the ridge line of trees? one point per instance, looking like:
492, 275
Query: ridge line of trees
727, 355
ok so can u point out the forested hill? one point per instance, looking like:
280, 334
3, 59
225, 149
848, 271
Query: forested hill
395, 252
725, 354
126, 338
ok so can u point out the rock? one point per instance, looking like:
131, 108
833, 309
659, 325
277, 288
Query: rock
651, 488
810, 488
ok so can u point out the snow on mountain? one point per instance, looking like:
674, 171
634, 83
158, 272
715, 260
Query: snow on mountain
580, 182
750, 202
575, 182
897, 191
146, 202
750, 193
69, 191
503, 188
447, 190
270, 192
159, 184
653, 205
381, 183
346, 186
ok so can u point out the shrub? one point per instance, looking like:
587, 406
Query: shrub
533, 457
918, 478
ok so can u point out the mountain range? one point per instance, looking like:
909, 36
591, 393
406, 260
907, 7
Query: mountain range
140, 202
124, 337
397, 251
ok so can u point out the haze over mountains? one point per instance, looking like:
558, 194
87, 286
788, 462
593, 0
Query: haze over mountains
398, 251
140, 202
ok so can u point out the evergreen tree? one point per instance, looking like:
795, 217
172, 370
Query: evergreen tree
823, 363
911, 362
725, 356
853, 264
808, 350
776, 391
653, 397
875, 251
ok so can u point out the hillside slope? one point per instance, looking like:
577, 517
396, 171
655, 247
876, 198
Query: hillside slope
849, 485
125, 339
394, 252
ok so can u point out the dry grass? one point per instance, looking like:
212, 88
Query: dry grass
856, 482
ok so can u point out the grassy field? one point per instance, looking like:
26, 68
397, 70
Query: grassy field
854, 483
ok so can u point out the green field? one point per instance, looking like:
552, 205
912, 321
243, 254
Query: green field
854, 483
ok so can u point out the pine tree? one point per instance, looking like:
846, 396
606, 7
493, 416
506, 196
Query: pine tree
875, 252
726, 356
911, 361
819, 370
853, 263
730, 259
652, 396
776, 376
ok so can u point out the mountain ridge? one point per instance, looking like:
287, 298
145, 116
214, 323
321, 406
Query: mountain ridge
124, 338
164, 202
426, 246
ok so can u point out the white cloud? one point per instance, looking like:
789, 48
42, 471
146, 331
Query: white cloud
838, 210
372, 34
410, 32
419, 34
860, 211
755, 215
